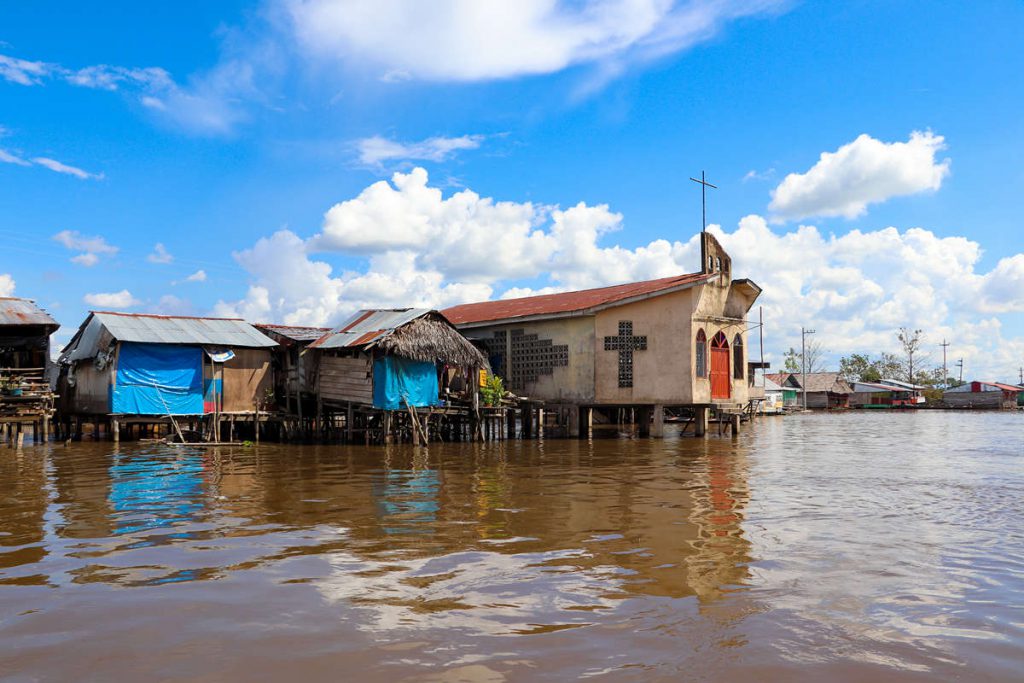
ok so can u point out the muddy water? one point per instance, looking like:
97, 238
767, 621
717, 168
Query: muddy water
849, 547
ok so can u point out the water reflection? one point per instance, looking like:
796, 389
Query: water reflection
801, 549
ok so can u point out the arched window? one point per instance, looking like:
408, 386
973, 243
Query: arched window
718, 263
711, 264
702, 354
737, 357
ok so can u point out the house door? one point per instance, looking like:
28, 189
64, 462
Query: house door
721, 385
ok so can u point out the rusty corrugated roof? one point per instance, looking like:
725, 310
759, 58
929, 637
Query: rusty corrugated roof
18, 311
566, 303
294, 332
366, 326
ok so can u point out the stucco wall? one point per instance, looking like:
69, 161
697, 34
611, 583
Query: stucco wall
663, 373
573, 382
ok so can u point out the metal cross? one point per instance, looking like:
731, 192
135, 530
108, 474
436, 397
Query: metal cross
625, 343
704, 185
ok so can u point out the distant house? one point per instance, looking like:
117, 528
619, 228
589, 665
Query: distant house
983, 395
133, 364
391, 359
774, 398
877, 395
294, 374
825, 390
789, 391
915, 391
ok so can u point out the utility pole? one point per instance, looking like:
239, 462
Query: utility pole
960, 364
704, 185
803, 362
1021, 371
945, 375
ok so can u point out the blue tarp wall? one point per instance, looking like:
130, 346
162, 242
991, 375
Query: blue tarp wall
400, 382
154, 379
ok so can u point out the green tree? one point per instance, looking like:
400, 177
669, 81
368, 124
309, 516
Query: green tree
791, 360
858, 367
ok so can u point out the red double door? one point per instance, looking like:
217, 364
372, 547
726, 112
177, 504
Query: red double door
721, 383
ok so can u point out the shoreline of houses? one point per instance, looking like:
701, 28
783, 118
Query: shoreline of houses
830, 391
636, 355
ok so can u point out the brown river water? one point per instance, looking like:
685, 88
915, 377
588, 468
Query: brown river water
853, 547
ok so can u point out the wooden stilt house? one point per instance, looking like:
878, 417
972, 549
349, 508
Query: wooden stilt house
294, 374
25, 390
129, 367
393, 360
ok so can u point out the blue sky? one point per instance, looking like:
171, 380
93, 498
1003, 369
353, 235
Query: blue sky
210, 128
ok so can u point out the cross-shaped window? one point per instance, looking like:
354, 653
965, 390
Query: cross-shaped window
625, 343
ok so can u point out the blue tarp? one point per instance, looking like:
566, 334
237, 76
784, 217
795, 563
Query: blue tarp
154, 379
400, 382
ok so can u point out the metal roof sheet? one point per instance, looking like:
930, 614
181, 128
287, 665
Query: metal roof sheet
567, 302
18, 311
294, 332
167, 329
366, 326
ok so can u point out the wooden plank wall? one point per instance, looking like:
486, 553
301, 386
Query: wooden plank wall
346, 379
246, 378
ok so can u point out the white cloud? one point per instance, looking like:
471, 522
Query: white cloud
9, 158
865, 171
160, 254
23, 72
6, 285
88, 259
375, 150
90, 247
198, 276
424, 249
122, 299
59, 167
210, 103
172, 305
455, 40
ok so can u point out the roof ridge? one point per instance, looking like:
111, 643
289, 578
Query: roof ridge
169, 317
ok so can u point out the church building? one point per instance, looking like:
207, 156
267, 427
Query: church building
678, 341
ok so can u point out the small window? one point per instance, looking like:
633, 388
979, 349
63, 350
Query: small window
737, 357
702, 354
718, 263
711, 263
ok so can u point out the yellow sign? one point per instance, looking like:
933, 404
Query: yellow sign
483, 378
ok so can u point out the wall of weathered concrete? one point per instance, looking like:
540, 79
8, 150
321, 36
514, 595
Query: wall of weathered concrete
571, 383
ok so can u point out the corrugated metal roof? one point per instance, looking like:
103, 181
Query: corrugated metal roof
18, 311
167, 329
566, 302
294, 332
366, 326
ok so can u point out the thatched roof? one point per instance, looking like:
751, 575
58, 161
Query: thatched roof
419, 334
431, 338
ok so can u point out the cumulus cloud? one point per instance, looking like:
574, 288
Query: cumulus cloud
6, 285
122, 299
160, 254
198, 276
452, 40
865, 171
425, 249
90, 247
376, 150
